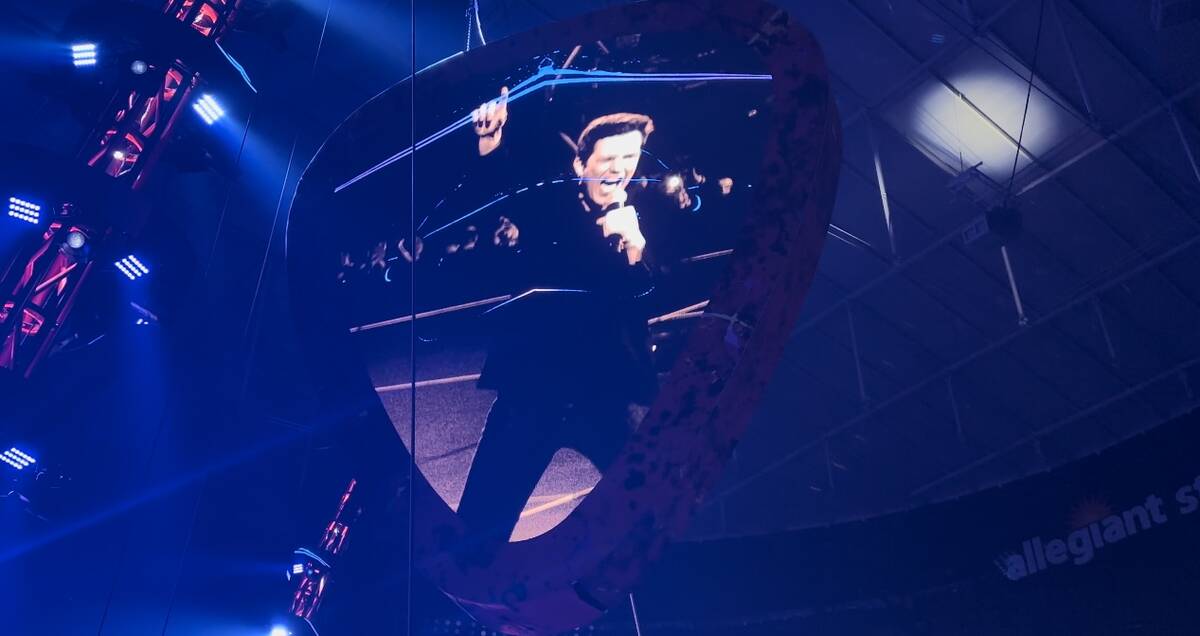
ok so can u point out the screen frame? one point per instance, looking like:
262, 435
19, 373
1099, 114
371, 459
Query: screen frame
569, 576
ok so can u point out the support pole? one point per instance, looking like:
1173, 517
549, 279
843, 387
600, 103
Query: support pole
958, 425
1112, 352
637, 624
862, 387
1022, 319
883, 196
1183, 140
1072, 60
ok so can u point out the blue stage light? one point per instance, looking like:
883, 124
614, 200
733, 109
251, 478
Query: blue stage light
17, 458
24, 210
83, 54
208, 109
131, 267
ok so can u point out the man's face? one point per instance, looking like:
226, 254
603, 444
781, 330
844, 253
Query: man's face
610, 167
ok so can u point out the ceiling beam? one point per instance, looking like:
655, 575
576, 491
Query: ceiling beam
961, 363
921, 68
1037, 435
975, 36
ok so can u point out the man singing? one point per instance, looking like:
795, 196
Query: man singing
572, 365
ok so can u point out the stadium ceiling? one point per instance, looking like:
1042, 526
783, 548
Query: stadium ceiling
942, 350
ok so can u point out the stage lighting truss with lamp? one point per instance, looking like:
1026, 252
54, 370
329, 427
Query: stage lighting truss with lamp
37, 489
311, 569
162, 58
39, 287
143, 118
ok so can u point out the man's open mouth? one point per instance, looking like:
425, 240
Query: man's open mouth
610, 182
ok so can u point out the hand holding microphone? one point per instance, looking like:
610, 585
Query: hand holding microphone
623, 222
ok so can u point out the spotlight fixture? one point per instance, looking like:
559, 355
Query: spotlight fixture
208, 109
83, 54
24, 210
131, 267
76, 239
119, 155
673, 183
17, 458
138, 67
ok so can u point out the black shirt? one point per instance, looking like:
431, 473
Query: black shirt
585, 338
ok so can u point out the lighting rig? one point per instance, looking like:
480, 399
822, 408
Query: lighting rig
311, 569
134, 73
28, 485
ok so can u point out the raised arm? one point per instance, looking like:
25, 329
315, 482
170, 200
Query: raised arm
489, 120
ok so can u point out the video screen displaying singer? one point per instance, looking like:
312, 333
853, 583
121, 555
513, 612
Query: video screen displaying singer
566, 238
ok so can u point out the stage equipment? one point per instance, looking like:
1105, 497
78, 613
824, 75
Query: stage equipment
143, 65
571, 574
313, 568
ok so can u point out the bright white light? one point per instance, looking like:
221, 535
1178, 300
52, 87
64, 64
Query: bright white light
119, 155
17, 458
131, 267
138, 67
208, 109
674, 183
298, 568
24, 210
75, 239
83, 54
279, 631
970, 123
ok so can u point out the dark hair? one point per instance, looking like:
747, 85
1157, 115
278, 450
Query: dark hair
610, 126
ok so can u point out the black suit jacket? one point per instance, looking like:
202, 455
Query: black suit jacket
587, 340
